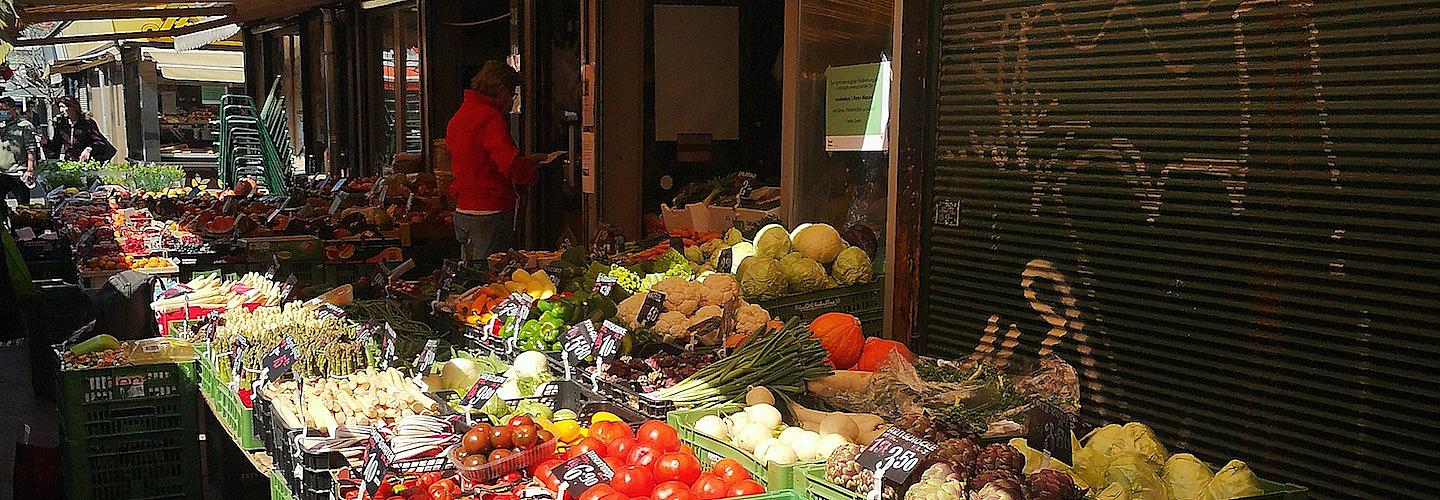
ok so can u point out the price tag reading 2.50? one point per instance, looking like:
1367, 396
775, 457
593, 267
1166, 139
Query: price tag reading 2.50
896, 454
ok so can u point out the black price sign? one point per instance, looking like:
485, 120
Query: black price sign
729, 317
377, 461
555, 271
895, 454
287, 289
483, 390
579, 341
175, 291
390, 342
650, 309
517, 306
726, 261
426, 357
1048, 430
704, 327
212, 323
604, 284
329, 311
274, 267
340, 184
87, 242
280, 359
677, 244
607, 342
238, 355
366, 331
582, 473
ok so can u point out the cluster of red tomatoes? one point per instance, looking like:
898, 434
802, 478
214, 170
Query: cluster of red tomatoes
651, 464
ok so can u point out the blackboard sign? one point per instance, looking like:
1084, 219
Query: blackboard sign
327, 310
483, 389
726, 261
237, 356
280, 359
582, 473
1048, 430
650, 309
895, 453
579, 340
608, 340
388, 357
604, 284
426, 357
378, 457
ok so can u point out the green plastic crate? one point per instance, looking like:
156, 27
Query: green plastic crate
156, 465
708, 450
774, 495
810, 481
278, 489
229, 409
865, 301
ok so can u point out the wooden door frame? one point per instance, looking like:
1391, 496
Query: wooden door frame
910, 132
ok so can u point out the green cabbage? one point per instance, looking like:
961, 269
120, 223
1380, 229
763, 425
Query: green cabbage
1137, 477
762, 278
804, 275
852, 266
1186, 476
738, 253
1140, 440
820, 242
1235, 480
733, 236
1090, 466
1113, 492
1104, 438
772, 241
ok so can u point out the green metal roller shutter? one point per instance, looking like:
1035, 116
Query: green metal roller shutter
1243, 199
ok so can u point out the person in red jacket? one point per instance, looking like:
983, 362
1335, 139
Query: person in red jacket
486, 163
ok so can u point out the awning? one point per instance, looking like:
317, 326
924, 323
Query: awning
225, 66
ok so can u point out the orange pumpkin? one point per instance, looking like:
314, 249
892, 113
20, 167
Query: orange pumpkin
877, 351
840, 334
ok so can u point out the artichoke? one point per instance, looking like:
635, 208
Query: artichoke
960, 454
938, 482
1235, 480
1002, 486
1186, 476
1000, 457
843, 469
1050, 484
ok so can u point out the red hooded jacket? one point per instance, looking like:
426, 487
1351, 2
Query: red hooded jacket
486, 163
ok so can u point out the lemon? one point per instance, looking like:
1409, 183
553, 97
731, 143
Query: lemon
567, 430
604, 416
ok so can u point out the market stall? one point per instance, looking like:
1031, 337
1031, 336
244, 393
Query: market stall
695, 364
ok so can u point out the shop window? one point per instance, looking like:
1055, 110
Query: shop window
394, 97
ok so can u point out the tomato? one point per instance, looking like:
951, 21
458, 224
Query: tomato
633, 481
384, 491
545, 473
659, 434
677, 466
644, 455
620, 447
709, 486
445, 484
608, 432
615, 463
672, 490
427, 479
598, 492
440, 494
730, 471
519, 420
584, 445
745, 487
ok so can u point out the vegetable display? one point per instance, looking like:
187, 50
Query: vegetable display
783, 359
327, 346
212, 292
689, 303
370, 397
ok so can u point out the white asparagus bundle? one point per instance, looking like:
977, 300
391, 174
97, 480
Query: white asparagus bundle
367, 398
211, 291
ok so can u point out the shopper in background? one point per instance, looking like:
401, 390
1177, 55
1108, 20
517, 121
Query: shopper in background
18, 151
486, 163
76, 137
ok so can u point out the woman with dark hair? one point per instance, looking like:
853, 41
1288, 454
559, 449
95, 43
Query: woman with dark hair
76, 137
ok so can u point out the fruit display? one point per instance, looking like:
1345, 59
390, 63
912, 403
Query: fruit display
124, 262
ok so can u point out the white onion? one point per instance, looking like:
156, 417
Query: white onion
764, 414
711, 425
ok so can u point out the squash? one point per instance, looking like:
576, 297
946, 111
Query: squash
877, 351
840, 334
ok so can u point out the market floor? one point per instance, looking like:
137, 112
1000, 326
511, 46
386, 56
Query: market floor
21, 407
